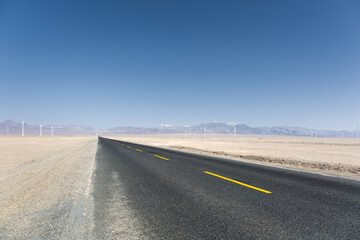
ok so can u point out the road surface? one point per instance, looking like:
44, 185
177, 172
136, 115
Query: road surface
143, 192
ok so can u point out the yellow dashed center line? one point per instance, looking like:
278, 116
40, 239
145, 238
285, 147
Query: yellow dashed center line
161, 157
122, 145
138, 150
234, 181
128, 147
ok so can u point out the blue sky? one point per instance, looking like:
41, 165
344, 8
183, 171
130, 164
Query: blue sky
143, 63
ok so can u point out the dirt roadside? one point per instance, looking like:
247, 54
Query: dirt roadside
45, 187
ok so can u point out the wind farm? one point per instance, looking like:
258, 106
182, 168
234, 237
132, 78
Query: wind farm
179, 120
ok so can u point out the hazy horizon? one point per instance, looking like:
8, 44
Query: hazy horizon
177, 126
146, 63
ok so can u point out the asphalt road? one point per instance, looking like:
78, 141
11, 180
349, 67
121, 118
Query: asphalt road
176, 195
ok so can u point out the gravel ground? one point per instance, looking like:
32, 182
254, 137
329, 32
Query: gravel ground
46, 187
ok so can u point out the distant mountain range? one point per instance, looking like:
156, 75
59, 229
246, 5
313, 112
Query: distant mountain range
10, 127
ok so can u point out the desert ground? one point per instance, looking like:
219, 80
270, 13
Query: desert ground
334, 156
45, 182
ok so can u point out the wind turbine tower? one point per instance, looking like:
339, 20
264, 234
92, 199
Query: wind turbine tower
22, 128
186, 129
40, 130
204, 129
357, 131
52, 131
233, 124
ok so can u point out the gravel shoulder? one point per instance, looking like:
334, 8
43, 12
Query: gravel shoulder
46, 187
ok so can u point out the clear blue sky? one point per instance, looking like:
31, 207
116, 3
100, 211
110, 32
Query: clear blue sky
143, 63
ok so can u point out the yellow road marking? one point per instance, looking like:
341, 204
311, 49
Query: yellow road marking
138, 150
243, 184
161, 157
122, 145
128, 147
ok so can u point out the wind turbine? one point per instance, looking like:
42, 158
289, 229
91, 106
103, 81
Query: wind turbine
22, 128
41, 130
357, 131
204, 129
52, 131
233, 124
186, 127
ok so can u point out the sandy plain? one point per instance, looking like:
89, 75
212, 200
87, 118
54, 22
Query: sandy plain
332, 156
45, 185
